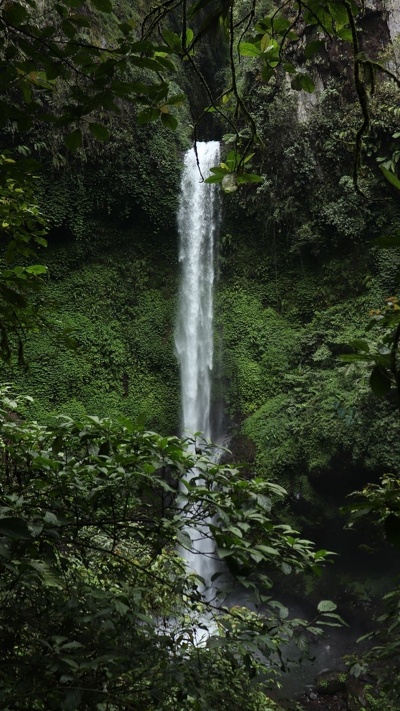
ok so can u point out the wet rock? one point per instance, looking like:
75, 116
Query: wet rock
356, 694
330, 682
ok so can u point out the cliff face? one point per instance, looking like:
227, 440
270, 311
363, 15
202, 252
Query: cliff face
393, 17
380, 29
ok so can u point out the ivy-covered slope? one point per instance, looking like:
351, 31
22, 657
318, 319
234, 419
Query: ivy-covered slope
112, 283
300, 275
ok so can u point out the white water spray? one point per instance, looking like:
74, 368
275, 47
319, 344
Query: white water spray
198, 222
198, 219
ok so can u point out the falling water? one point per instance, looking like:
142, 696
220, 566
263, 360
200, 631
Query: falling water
198, 221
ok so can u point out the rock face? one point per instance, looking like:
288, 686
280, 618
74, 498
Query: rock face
393, 18
380, 27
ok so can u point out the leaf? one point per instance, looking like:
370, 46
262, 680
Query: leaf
36, 269
57, 444
100, 132
249, 178
189, 36
177, 100
147, 115
15, 14
172, 40
303, 82
338, 11
74, 140
102, 5
48, 576
280, 25
268, 550
184, 539
214, 178
360, 345
345, 33
121, 607
51, 518
286, 568
169, 121
326, 606
312, 48
380, 381
16, 528
246, 49
354, 357
391, 177
72, 645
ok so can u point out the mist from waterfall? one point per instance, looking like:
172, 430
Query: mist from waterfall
198, 223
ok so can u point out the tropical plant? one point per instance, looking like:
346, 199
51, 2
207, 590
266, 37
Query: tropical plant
98, 610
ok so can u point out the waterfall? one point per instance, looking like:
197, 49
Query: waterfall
198, 222
198, 219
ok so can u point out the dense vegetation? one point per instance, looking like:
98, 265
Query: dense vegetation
305, 307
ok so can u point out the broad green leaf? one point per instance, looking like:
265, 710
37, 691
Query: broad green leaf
326, 606
312, 48
147, 116
303, 82
142, 46
177, 100
189, 36
246, 49
345, 33
267, 72
214, 179
147, 63
74, 140
268, 550
249, 178
380, 381
15, 14
391, 177
169, 121
217, 170
48, 577
36, 269
102, 5
286, 568
172, 40
184, 539
100, 132
360, 345
338, 11
13, 527
354, 357
280, 25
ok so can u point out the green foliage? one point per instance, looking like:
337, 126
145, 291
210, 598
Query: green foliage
123, 359
381, 504
21, 226
258, 346
89, 520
